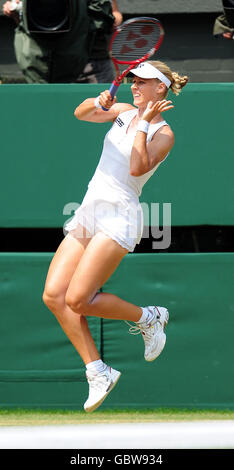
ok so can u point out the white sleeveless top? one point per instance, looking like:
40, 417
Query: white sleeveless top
114, 163
111, 204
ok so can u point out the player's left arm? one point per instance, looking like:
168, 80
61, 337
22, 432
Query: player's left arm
145, 157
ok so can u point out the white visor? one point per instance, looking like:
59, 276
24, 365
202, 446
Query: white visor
146, 70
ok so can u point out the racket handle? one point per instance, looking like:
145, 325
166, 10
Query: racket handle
113, 90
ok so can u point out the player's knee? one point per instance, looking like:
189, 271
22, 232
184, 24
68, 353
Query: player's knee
52, 300
77, 303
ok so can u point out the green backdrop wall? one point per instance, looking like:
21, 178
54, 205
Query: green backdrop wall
48, 156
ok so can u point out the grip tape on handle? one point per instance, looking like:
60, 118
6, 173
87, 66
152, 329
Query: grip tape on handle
113, 90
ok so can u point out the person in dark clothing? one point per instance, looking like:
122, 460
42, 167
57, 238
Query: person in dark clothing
99, 68
56, 45
224, 24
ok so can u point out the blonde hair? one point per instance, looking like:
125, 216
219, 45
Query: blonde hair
177, 81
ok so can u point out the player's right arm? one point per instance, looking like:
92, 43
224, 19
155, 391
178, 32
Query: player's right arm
87, 110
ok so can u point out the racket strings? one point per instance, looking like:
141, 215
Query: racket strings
135, 41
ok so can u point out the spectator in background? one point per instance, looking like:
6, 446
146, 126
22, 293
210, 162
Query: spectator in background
51, 39
100, 68
224, 24
60, 57
13, 9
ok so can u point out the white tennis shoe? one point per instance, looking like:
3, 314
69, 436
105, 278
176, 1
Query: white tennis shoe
100, 385
153, 332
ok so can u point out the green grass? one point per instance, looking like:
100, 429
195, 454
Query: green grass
24, 417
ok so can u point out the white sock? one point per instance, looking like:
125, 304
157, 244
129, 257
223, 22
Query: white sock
96, 366
146, 316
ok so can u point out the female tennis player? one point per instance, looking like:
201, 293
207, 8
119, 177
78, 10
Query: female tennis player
109, 223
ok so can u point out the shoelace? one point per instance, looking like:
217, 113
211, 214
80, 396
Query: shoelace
134, 329
137, 329
98, 381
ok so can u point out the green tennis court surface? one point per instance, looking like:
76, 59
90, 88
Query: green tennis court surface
21, 417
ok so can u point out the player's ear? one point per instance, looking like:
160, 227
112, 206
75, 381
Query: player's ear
161, 88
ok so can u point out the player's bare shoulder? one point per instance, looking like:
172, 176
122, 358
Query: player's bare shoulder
119, 108
166, 130
166, 134
162, 142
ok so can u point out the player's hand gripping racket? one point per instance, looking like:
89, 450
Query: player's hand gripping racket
133, 42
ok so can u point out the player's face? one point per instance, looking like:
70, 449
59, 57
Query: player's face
145, 90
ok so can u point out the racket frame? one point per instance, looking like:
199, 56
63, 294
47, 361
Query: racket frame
134, 63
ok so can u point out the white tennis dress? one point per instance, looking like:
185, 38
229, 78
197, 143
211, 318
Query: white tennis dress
111, 204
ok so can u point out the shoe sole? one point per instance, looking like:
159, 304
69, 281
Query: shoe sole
162, 341
98, 403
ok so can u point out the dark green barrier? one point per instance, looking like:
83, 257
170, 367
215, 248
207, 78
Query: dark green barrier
196, 367
40, 368
48, 156
38, 365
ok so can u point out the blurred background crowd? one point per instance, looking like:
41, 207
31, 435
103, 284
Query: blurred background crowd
45, 41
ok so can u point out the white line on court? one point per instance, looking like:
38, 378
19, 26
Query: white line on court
180, 435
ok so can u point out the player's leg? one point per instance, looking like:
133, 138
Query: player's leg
99, 261
61, 270
101, 258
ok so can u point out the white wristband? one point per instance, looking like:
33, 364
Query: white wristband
143, 126
96, 102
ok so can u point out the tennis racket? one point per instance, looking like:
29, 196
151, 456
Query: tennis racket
133, 42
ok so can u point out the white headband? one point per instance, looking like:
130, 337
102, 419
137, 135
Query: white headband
146, 70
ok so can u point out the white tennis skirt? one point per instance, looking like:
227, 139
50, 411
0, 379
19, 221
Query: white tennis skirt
111, 211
